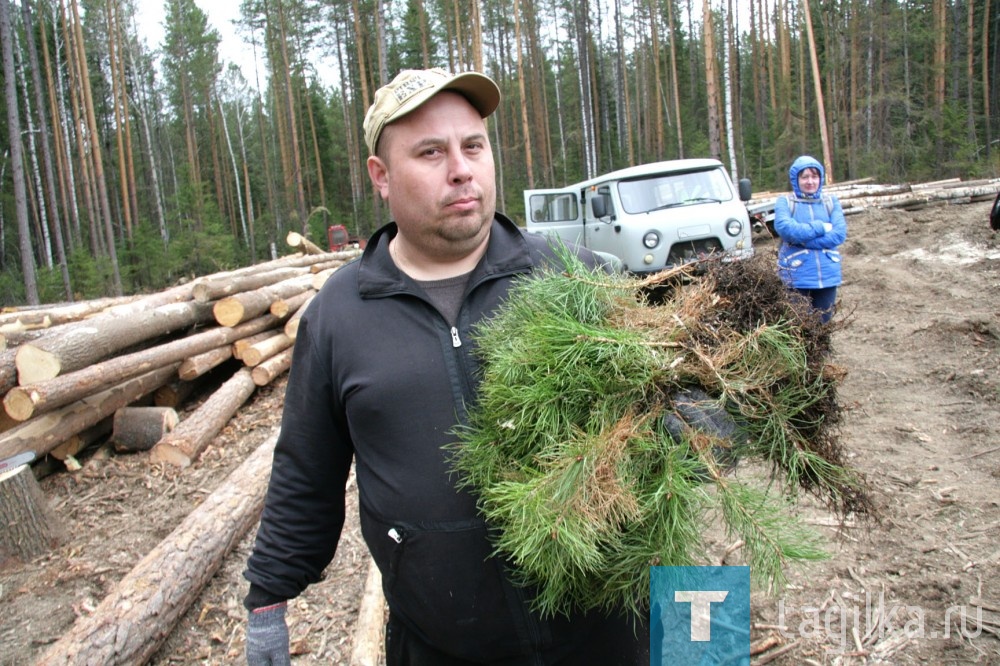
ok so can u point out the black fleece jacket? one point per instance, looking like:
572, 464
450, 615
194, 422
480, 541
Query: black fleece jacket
380, 377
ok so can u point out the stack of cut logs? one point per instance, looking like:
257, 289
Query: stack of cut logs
857, 195
72, 374
75, 374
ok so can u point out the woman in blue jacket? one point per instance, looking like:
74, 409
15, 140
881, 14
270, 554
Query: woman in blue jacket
812, 229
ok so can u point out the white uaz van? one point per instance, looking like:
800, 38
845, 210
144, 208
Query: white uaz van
650, 216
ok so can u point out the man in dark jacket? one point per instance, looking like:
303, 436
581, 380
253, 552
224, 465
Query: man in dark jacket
384, 369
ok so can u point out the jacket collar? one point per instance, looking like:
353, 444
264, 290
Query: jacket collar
506, 253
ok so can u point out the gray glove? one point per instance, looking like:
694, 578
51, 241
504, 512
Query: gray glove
693, 408
267, 637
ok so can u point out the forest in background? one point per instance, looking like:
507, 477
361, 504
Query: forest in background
130, 166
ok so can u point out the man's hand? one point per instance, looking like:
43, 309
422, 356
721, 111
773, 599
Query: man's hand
267, 637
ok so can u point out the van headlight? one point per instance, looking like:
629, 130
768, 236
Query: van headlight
734, 227
651, 239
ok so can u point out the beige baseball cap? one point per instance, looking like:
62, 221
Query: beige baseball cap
412, 87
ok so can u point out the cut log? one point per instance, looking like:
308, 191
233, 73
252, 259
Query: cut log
297, 240
46, 432
140, 428
183, 446
134, 620
8, 370
210, 290
29, 322
30, 400
80, 441
292, 325
31, 528
272, 368
320, 278
324, 265
174, 392
366, 647
243, 344
53, 315
283, 307
236, 309
265, 349
11, 339
199, 364
101, 337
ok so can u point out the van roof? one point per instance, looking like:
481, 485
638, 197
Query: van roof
651, 168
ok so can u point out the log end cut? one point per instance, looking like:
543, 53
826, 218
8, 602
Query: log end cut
20, 403
168, 453
35, 365
228, 311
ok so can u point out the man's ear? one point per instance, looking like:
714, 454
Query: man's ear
378, 172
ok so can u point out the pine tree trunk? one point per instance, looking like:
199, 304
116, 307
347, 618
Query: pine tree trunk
675, 87
98, 160
711, 82
46, 152
818, 91
986, 80
16, 159
525, 127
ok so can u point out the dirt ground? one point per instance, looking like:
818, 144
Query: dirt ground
922, 406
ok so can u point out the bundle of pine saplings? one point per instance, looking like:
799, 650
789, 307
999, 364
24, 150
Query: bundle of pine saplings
611, 408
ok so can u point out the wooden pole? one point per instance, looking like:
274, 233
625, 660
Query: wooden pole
367, 644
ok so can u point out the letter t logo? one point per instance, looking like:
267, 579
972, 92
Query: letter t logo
701, 613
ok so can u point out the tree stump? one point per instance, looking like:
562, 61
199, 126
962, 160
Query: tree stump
31, 528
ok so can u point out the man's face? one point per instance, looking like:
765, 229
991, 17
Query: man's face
435, 168
809, 180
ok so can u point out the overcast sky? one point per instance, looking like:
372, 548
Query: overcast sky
220, 16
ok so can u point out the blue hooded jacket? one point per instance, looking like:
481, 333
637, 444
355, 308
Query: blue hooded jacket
809, 257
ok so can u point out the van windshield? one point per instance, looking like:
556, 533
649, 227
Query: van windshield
666, 190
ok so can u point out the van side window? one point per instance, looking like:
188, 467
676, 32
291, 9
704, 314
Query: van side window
553, 208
